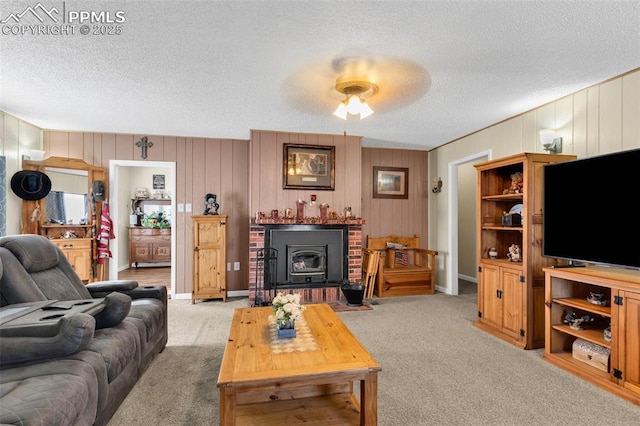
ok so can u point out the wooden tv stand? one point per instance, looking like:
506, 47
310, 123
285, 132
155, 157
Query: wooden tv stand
567, 289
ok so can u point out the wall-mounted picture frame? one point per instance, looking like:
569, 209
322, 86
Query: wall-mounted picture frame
309, 167
158, 182
390, 182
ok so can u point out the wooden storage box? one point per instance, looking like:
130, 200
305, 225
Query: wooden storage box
592, 354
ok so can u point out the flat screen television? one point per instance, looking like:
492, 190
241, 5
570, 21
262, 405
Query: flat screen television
590, 210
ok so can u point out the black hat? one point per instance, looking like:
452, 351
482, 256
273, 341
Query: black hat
30, 184
98, 190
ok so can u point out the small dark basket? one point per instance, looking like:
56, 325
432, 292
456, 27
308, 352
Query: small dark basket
354, 293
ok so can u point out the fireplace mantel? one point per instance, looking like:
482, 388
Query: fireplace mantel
309, 221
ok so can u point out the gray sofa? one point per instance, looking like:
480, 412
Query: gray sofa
78, 369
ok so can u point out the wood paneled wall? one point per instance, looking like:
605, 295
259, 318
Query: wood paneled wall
391, 216
267, 162
247, 176
601, 119
202, 165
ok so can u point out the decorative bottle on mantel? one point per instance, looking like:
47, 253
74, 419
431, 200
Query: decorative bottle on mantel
323, 212
300, 210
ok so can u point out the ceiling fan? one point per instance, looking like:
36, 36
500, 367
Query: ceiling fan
382, 83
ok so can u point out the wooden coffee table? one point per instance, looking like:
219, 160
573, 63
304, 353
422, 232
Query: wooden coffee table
264, 380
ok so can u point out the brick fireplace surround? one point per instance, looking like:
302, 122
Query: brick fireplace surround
309, 295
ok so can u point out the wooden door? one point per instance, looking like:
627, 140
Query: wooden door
141, 252
488, 296
78, 253
162, 252
80, 260
512, 300
209, 272
629, 340
209, 233
209, 241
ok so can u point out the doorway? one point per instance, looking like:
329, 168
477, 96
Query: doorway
453, 219
120, 195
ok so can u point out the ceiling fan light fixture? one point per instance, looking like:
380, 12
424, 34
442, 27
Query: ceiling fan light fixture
365, 110
341, 111
353, 104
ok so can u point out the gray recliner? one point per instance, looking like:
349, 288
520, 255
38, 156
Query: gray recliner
129, 332
49, 276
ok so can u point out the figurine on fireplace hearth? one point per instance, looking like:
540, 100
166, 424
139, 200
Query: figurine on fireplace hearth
211, 205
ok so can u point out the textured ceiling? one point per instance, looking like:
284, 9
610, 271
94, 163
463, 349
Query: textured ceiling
220, 68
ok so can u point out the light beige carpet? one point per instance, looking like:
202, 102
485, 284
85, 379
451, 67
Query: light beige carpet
437, 369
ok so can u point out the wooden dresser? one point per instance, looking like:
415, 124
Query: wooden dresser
149, 245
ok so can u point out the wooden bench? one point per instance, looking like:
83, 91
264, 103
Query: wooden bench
405, 271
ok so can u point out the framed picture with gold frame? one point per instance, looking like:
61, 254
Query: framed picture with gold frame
390, 182
309, 167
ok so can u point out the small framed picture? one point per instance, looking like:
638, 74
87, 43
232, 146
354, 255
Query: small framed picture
158, 181
390, 182
309, 167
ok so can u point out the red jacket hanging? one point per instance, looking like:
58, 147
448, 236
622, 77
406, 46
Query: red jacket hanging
106, 234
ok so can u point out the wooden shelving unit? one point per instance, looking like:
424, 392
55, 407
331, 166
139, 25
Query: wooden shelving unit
511, 294
567, 289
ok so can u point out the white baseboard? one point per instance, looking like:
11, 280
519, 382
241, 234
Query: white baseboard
142, 264
441, 289
468, 278
181, 296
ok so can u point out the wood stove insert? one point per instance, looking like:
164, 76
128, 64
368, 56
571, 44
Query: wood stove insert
309, 256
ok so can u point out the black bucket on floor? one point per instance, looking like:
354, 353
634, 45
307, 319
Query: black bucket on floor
354, 293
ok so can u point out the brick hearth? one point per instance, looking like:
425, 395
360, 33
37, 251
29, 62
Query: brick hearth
309, 295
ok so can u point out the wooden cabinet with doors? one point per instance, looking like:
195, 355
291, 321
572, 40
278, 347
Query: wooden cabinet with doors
511, 293
501, 299
78, 253
570, 290
209, 257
